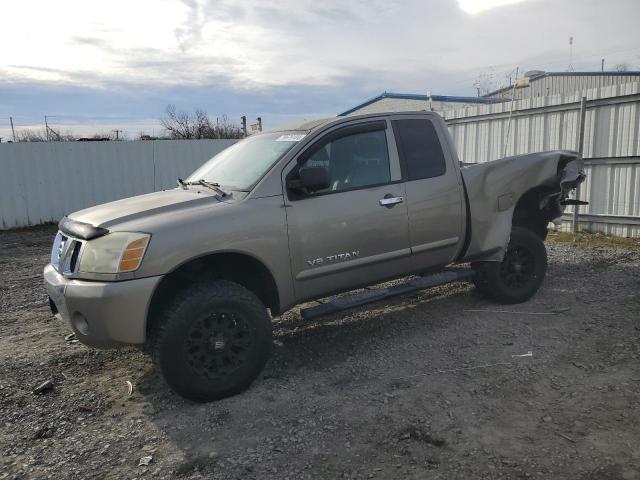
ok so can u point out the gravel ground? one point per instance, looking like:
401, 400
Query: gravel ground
428, 386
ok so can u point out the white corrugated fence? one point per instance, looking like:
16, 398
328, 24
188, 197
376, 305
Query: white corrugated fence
42, 182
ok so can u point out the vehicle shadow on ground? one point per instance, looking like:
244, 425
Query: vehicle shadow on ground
323, 348
328, 341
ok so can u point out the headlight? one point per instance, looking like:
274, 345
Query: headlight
114, 253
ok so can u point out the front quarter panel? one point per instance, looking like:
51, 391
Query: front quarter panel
255, 227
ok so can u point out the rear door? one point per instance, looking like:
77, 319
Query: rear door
435, 198
355, 232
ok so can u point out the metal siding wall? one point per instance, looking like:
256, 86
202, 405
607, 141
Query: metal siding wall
612, 140
42, 182
568, 84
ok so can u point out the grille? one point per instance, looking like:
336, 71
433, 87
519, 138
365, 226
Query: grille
65, 254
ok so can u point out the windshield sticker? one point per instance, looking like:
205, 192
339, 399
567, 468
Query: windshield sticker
291, 137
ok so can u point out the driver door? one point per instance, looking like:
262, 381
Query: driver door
355, 231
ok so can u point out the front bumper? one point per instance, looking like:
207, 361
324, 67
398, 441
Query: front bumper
102, 314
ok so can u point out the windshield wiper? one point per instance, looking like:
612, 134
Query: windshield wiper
216, 187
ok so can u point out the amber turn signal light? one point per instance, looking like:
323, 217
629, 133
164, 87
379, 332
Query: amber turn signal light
133, 254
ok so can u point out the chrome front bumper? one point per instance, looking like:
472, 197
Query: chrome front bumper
102, 314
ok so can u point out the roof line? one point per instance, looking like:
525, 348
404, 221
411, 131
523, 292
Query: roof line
416, 96
596, 73
575, 74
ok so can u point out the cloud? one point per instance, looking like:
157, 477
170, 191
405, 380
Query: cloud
477, 6
276, 43
287, 57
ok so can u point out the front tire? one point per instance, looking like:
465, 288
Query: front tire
519, 276
212, 340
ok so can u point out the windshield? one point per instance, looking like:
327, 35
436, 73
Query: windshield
241, 165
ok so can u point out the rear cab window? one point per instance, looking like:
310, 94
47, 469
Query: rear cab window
419, 148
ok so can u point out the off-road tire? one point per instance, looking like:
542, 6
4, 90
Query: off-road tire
519, 276
212, 340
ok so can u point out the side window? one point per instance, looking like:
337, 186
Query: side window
353, 161
419, 148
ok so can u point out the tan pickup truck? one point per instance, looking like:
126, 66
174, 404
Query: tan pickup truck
285, 217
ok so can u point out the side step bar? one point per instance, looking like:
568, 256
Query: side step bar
345, 302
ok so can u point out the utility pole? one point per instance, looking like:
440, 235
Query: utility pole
580, 148
13, 132
117, 136
259, 124
49, 130
244, 124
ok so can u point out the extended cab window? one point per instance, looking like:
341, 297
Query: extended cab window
353, 161
419, 148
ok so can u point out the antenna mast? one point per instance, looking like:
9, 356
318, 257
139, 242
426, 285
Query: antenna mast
570, 69
513, 97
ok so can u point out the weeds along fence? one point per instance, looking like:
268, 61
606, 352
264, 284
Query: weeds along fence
43, 181
611, 146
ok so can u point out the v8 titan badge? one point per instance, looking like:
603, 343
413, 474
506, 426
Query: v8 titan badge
338, 257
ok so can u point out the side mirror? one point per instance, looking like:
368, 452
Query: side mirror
312, 179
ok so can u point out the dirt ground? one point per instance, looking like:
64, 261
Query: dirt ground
436, 385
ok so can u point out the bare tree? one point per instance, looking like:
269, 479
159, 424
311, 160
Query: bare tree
622, 67
485, 82
181, 125
225, 129
40, 135
31, 135
67, 136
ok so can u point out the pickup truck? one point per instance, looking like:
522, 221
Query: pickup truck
196, 273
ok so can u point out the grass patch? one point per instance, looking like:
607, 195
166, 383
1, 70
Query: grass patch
588, 239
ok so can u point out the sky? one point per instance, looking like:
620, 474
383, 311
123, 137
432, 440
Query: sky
97, 66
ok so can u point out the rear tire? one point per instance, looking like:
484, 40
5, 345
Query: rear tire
519, 276
212, 340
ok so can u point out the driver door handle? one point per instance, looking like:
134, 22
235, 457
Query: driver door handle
390, 201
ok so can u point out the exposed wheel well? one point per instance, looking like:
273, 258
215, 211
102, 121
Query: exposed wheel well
235, 267
529, 214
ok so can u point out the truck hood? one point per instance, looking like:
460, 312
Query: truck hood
127, 209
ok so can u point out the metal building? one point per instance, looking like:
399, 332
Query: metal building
403, 102
537, 83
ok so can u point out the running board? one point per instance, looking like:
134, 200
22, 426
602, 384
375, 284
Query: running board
345, 302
